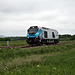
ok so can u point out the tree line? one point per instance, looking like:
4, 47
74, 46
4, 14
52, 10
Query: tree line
12, 38
65, 37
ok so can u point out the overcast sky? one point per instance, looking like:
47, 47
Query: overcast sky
16, 16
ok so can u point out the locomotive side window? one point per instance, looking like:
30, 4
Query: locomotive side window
45, 34
53, 35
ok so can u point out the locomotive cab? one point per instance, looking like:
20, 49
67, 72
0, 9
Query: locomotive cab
33, 35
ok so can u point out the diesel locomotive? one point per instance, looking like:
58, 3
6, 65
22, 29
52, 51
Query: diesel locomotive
42, 35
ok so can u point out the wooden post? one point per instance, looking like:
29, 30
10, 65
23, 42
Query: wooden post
7, 43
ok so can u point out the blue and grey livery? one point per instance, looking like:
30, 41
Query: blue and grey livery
42, 35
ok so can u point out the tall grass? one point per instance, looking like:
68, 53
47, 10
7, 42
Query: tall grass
18, 52
45, 60
60, 64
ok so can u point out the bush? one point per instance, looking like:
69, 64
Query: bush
4, 39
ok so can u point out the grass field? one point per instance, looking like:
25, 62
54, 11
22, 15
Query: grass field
45, 60
13, 43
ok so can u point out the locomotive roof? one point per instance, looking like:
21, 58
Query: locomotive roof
43, 28
48, 29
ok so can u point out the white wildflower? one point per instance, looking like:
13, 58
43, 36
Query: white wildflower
38, 66
54, 68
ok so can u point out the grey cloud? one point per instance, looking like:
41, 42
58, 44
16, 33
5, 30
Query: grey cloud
17, 15
30, 6
15, 5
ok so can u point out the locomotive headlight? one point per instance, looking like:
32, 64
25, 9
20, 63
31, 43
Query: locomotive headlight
36, 36
27, 37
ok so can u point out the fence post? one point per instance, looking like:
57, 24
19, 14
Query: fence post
7, 43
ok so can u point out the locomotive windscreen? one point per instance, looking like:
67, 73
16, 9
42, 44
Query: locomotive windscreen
32, 30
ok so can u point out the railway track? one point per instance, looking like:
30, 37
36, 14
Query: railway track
29, 46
